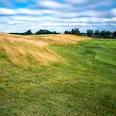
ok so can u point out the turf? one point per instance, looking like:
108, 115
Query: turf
83, 85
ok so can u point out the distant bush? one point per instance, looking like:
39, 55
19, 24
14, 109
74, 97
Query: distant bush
28, 32
90, 33
97, 34
73, 31
94, 34
114, 34
105, 34
42, 31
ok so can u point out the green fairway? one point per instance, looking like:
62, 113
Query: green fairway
83, 85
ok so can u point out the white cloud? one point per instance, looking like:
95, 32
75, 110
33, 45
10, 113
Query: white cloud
102, 3
54, 5
50, 4
54, 21
113, 11
76, 1
58, 18
28, 12
54, 14
7, 11
22, 23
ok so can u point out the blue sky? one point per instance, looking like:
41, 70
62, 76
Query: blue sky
59, 15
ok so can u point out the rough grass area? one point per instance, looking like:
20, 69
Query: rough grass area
60, 39
20, 49
83, 85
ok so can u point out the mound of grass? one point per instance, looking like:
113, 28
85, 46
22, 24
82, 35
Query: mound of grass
83, 85
60, 39
22, 51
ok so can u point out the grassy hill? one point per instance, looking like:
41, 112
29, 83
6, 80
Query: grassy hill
57, 75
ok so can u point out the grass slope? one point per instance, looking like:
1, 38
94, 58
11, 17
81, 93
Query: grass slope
83, 85
22, 50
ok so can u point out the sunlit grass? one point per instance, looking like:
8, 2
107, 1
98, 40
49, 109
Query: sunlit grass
81, 85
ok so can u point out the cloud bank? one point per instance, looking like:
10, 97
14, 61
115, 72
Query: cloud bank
58, 15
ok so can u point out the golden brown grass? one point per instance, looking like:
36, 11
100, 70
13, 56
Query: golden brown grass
20, 49
61, 39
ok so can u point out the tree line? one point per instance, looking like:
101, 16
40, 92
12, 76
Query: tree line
94, 34
40, 32
75, 31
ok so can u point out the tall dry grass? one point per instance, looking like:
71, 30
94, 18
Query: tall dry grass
20, 49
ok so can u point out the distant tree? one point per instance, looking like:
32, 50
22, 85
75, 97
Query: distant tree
114, 34
109, 34
67, 32
97, 33
102, 34
44, 31
75, 31
105, 34
28, 32
90, 33
54, 32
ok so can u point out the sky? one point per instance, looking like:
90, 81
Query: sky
58, 15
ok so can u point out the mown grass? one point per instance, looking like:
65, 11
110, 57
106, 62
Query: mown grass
83, 85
